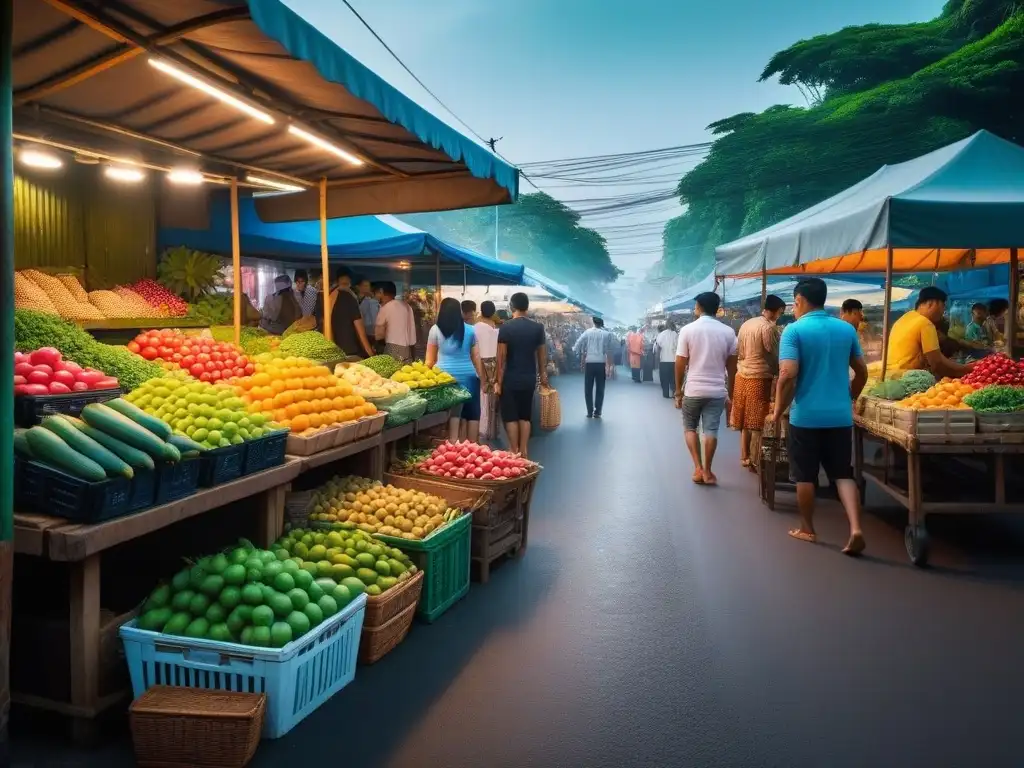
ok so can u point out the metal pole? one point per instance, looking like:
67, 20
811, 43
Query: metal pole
887, 309
236, 261
324, 265
1011, 313
764, 285
437, 288
6, 360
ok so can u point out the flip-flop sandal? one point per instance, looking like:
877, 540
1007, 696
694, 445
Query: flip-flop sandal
698, 477
855, 546
810, 538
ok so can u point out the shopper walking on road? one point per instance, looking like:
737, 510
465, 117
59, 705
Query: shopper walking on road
756, 367
522, 355
706, 358
596, 348
665, 352
635, 350
815, 355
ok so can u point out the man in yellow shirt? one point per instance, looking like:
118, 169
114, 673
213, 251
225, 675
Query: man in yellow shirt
914, 338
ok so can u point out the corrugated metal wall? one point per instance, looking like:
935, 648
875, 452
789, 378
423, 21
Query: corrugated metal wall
79, 219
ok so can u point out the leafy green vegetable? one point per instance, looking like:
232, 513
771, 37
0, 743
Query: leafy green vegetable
997, 399
312, 345
383, 365
190, 274
40, 329
917, 381
889, 390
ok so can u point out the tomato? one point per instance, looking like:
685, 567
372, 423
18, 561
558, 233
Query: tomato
79, 386
23, 369
59, 388
249, 369
38, 377
216, 356
20, 380
204, 376
216, 375
203, 357
133, 346
149, 353
64, 377
185, 350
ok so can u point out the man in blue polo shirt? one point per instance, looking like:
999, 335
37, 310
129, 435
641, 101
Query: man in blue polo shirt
815, 356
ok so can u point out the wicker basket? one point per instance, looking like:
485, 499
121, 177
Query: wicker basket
378, 642
195, 728
382, 608
550, 409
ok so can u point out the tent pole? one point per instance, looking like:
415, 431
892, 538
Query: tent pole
324, 265
887, 309
236, 261
764, 285
6, 361
1011, 314
437, 277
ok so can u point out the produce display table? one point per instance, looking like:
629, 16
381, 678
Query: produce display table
432, 420
373, 443
123, 331
909, 493
83, 545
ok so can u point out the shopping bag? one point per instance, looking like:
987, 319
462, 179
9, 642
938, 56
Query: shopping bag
550, 409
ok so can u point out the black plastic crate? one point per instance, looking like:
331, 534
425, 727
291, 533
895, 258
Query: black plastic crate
265, 452
29, 410
221, 465
49, 491
176, 481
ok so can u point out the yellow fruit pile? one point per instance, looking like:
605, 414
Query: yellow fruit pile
137, 305
301, 396
111, 305
947, 394
368, 383
72, 284
418, 376
67, 306
356, 502
28, 295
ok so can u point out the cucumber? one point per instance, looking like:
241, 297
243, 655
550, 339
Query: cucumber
21, 446
86, 446
124, 429
50, 449
132, 456
185, 444
158, 427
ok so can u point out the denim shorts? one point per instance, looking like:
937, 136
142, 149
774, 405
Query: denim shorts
705, 410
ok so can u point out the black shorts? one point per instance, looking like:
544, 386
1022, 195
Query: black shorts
830, 448
516, 405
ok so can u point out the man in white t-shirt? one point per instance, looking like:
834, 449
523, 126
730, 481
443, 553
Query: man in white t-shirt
706, 356
665, 349
395, 324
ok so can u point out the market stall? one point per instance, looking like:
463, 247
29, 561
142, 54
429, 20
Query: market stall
958, 207
127, 447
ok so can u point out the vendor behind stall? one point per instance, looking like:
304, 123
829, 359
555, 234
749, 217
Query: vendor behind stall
914, 338
281, 308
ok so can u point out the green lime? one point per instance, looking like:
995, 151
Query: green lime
252, 594
155, 619
324, 568
281, 604
292, 567
300, 549
216, 614
339, 571
365, 560
230, 597
198, 628
236, 622
328, 605
299, 623
316, 591
262, 616
280, 634
234, 575
299, 598
302, 578
313, 613
246, 637
221, 632
382, 568
238, 556
261, 637
282, 554
182, 600
283, 582
218, 563
198, 605
271, 571
367, 576
212, 585
354, 585
180, 580
373, 590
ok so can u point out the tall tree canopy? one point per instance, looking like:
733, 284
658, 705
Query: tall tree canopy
538, 231
879, 94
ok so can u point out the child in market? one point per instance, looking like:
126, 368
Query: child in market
976, 330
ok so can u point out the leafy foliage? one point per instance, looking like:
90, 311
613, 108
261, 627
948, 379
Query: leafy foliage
538, 231
884, 94
190, 274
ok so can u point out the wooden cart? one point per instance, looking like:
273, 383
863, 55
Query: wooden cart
909, 493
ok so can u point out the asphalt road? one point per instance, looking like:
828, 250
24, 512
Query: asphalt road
657, 623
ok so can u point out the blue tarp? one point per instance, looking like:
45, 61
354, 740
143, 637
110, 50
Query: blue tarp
377, 246
304, 41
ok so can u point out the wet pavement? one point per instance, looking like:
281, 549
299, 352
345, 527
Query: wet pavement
653, 622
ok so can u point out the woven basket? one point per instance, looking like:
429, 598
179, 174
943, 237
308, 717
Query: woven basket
196, 728
550, 409
382, 608
377, 642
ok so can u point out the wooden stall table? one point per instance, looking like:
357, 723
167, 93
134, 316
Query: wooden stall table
910, 494
392, 438
82, 547
373, 444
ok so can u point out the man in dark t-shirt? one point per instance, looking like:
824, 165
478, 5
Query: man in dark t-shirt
522, 353
347, 327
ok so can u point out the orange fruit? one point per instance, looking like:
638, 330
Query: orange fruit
347, 415
315, 421
369, 409
277, 385
319, 393
261, 379
300, 423
330, 417
291, 411
338, 403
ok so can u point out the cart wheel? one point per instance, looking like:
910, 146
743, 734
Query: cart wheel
915, 539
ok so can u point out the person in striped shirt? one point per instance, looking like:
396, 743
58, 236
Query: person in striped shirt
304, 292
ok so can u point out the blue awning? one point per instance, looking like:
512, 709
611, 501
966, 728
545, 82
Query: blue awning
379, 247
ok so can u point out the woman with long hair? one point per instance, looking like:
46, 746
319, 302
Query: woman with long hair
452, 347
281, 308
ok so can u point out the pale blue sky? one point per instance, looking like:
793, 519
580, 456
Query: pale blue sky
566, 78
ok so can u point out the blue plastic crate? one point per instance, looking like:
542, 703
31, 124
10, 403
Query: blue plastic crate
221, 465
176, 481
30, 410
48, 491
297, 679
265, 452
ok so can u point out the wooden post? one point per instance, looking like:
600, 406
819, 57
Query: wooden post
764, 285
1011, 313
6, 361
324, 265
236, 261
886, 310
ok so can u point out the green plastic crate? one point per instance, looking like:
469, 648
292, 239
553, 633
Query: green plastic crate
444, 559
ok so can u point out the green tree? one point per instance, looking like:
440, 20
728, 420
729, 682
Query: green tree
538, 231
884, 95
